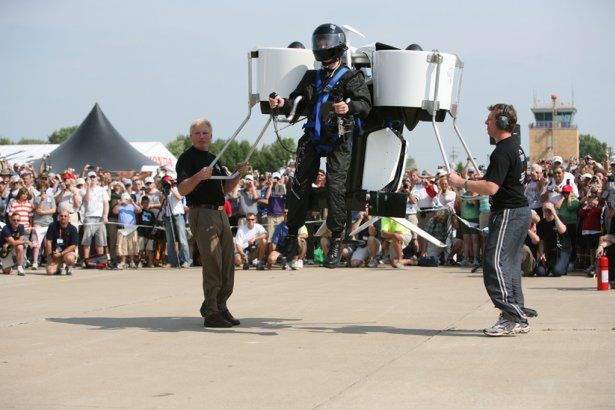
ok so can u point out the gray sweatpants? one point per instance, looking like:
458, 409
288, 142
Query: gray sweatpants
502, 260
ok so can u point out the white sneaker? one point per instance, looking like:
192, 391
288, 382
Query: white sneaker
373, 263
299, 264
121, 266
502, 327
255, 262
69, 270
34, 266
522, 328
21, 271
293, 265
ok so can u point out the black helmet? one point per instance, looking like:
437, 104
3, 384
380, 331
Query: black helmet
328, 42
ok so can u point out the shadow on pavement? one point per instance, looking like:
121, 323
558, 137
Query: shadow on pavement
361, 330
564, 289
177, 324
265, 326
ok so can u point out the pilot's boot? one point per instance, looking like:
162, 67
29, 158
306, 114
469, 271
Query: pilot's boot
290, 247
335, 254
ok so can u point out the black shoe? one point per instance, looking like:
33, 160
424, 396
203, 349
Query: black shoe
229, 318
246, 266
260, 266
335, 254
216, 320
529, 312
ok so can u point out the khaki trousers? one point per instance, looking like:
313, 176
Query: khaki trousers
212, 234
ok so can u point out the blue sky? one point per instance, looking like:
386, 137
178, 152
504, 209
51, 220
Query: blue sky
154, 66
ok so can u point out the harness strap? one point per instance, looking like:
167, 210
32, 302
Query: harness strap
324, 95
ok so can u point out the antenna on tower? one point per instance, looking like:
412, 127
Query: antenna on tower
534, 96
454, 155
572, 92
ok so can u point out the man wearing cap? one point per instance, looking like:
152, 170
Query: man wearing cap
68, 199
208, 221
553, 191
248, 198
96, 211
557, 161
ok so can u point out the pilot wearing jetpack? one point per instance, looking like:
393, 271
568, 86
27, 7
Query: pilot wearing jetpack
333, 93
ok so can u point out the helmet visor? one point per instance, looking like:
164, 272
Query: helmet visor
327, 41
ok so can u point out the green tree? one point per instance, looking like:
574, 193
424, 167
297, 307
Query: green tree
5, 141
590, 145
61, 135
459, 167
266, 158
179, 145
410, 163
31, 141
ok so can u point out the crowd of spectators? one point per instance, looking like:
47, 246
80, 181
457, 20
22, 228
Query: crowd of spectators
138, 219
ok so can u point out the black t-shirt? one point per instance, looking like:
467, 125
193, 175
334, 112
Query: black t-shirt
8, 231
210, 191
69, 236
552, 239
507, 166
146, 218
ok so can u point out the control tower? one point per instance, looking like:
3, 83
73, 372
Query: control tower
553, 132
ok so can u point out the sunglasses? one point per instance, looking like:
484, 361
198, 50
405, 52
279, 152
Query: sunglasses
250, 219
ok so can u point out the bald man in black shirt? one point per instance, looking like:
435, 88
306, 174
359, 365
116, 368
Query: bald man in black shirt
208, 221
508, 224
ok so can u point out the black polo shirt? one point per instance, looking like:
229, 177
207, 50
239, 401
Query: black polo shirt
210, 191
507, 166
69, 236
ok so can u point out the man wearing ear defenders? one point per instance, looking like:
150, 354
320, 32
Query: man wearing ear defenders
508, 224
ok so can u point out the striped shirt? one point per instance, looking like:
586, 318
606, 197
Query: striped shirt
25, 210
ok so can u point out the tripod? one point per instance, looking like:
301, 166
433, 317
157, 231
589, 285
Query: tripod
166, 208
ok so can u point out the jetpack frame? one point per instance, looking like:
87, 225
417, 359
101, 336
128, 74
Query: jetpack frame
407, 86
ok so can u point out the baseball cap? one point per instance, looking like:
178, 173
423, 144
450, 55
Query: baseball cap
91, 174
15, 178
125, 197
440, 173
68, 175
567, 188
127, 182
148, 180
80, 181
276, 175
249, 177
557, 158
586, 176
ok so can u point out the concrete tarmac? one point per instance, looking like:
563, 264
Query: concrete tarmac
313, 338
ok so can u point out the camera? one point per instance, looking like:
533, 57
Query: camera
166, 185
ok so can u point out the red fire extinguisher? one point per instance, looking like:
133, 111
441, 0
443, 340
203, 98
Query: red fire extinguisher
603, 273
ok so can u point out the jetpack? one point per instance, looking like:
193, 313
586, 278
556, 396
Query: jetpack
407, 86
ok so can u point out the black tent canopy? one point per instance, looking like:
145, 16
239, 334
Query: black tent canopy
97, 142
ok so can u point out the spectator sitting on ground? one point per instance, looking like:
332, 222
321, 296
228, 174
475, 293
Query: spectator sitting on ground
438, 227
23, 207
61, 244
12, 239
251, 243
555, 248
398, 237
367, 254
277, 245
528, 259
127, 237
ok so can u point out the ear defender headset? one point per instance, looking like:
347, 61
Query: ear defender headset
501, 120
